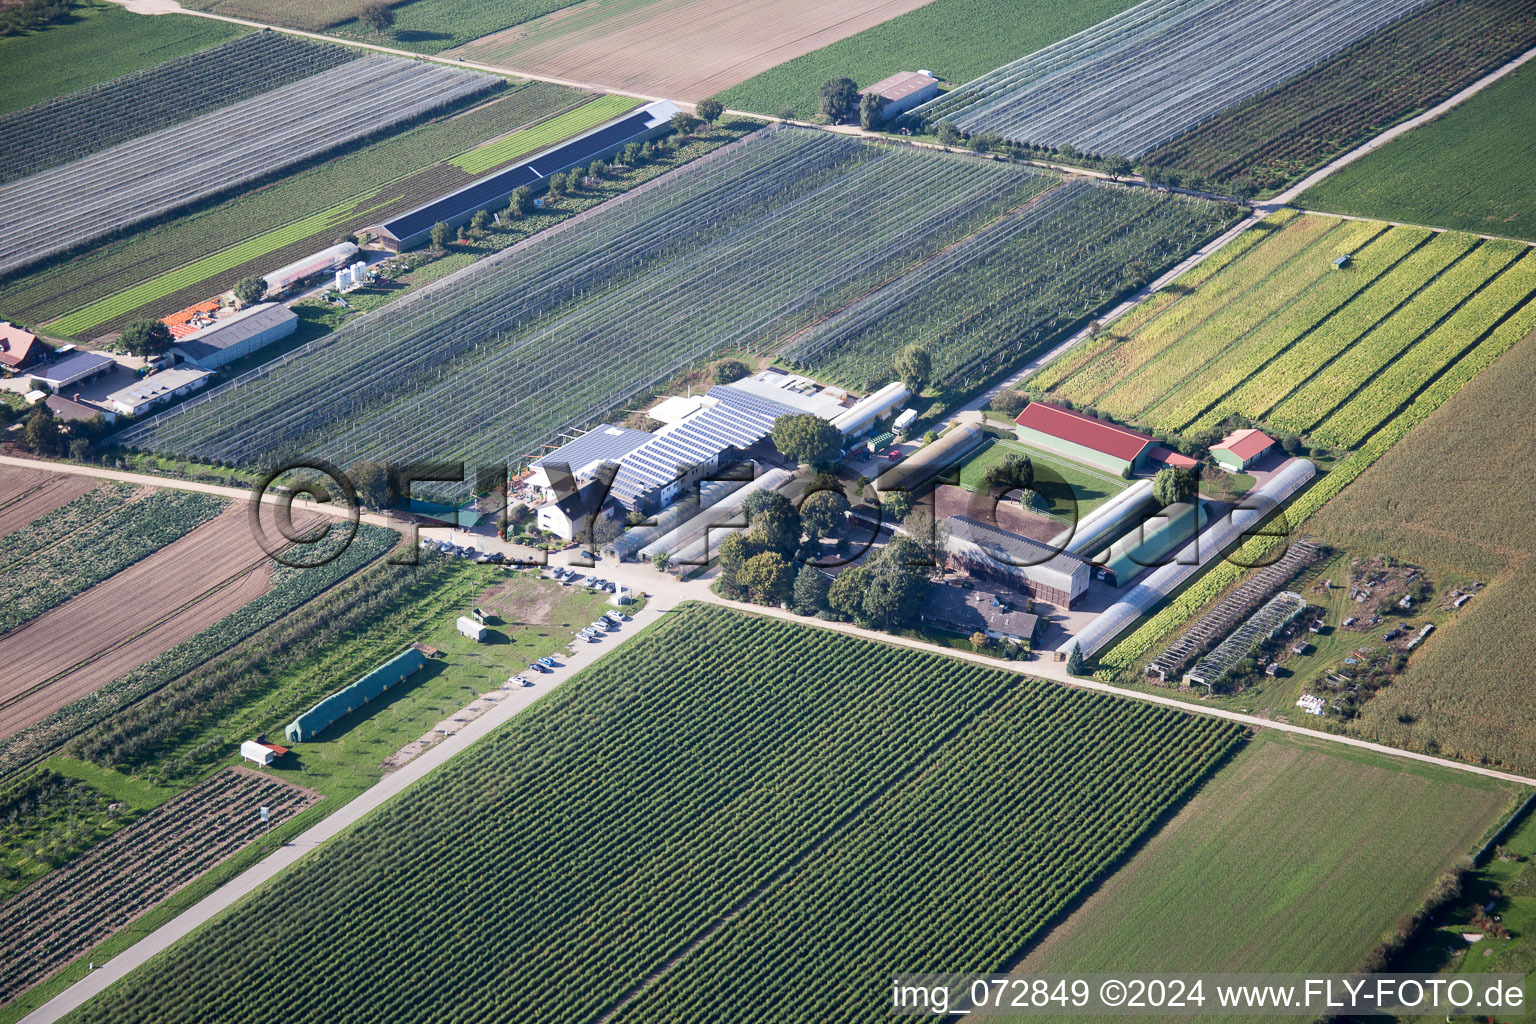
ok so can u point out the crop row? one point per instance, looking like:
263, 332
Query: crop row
59, 523
72, 909
1134, 81
99, 549
986, 304
1409, 66
731, 251
521, 143
1262, 340
103, 272
290, 590
72, 126
597, 834
70, 205
1118, 381
1338, 382
1158, 627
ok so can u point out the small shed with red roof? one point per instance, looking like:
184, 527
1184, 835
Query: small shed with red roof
1093, 442
1241, 449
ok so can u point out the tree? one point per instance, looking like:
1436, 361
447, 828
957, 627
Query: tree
777, 528
1015, 472
729, 371
1075, 661
837, 99
1172, 486
893, 595
556, 185
377, 16
947, 134
768, 577
710, 110
633, 154
734, 552
145, 337
811, 590
980, 640
41, 433
807, 438
821, 514
371, 480
682, 122
598, 168
845, 596
914, 367
480, 220
929, 536
895, 505
520, 202
439, 235
660, 560
80, 449
1117, 167
1009, 402
760, 501
250, 290
871, 110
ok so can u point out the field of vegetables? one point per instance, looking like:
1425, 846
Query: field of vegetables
1274, 139
65, 553
1469, 169
72, 126
1280, 336
564, 327
187, 259
73, 204
835, 767
1141, 78
1015, 288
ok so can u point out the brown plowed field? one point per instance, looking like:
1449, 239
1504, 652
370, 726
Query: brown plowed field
15, 481
93, 638
35, 501
681, 49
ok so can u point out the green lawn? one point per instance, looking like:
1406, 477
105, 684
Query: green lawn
1058, 481
955, 39
100, 42
1299, 855
1473, 168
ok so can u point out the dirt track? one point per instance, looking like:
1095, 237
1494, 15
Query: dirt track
118, 624
684, 49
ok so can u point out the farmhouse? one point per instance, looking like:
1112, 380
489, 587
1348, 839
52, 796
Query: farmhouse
1241, 449
414, 227
1081, 438
19, 349
1028, 566
156, 390
980, 610
232, 337
71, 411
568, 516
903, 91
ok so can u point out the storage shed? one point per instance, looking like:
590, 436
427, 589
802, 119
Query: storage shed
1241, 449
472, 629
930, 460
1026, 565
314, 721
1092, 442
232, 337
156, 389
903, 91
72, 369
859, 417
1151, 543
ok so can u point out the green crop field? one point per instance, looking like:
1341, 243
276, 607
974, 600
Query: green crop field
1445, 498
1409, 66
426, 26
100, 41
684, 778
1068, 488
1473, 168
1283, 337
956, 39
520, 143
1299, 855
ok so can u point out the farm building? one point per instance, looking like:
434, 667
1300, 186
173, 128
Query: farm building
628, 544
232, 337
979, 610
929, 461
19, 349
71, 411
579, 459
903, 91
1081, 438
476, 631
314, 721
567, 517
72, 369
285, 279
862, 415
1028, 566
156, 390
1241, 449
414, 227
695, 541
1109, 521
798, 393
1151, 543
262, 753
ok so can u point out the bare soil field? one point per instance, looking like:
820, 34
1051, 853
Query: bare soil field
37, 500
15, 481
679, 49
97, 636
1005, 515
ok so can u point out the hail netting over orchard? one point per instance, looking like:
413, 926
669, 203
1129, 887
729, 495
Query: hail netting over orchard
1134, 81
71, 126
75, 203
735, 250
1015, 286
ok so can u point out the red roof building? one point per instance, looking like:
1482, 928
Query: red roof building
1081, 438
1168, 457
19, 349
1241, 449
